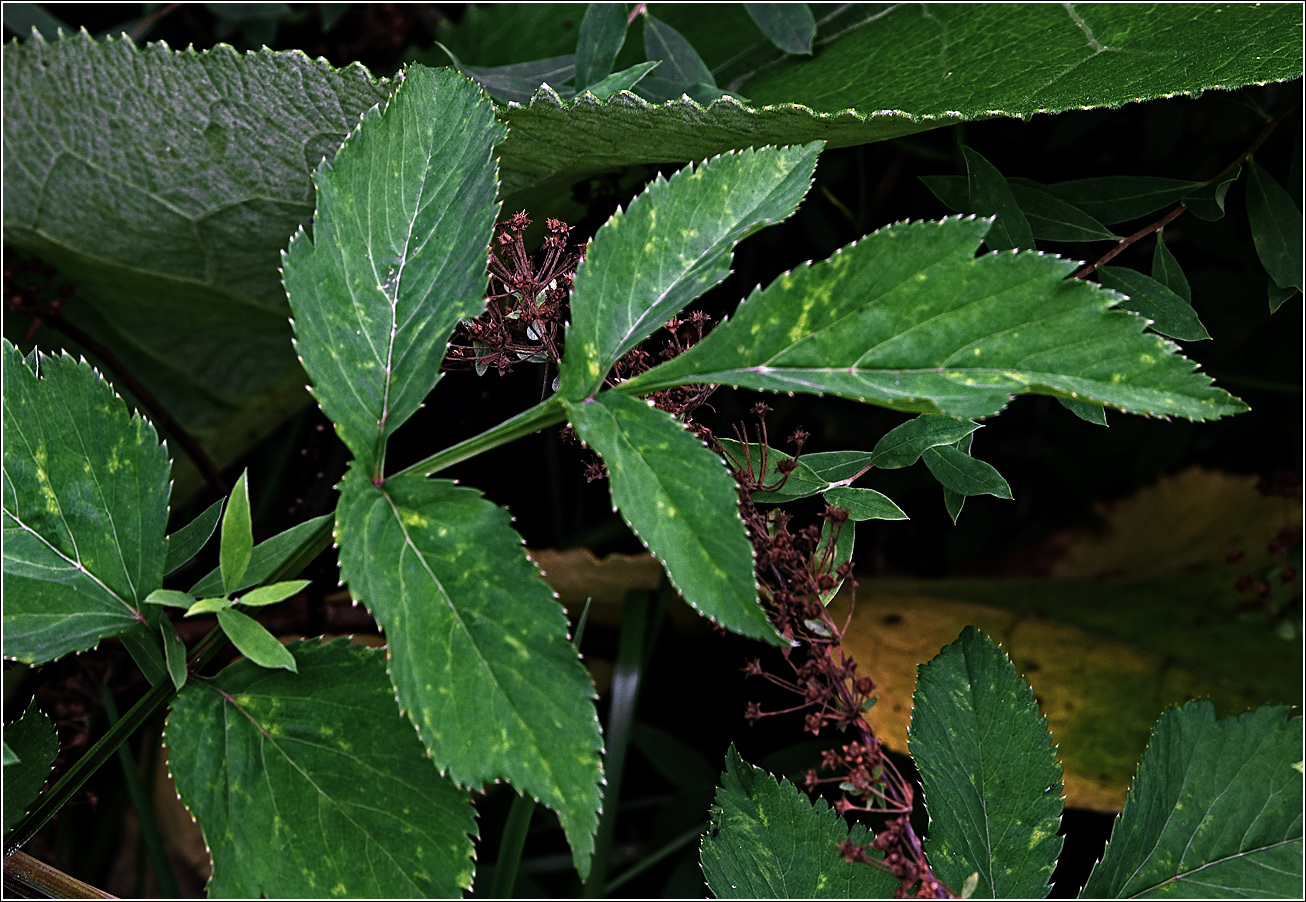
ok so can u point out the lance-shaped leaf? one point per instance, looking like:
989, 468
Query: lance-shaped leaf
908, 318
1167, 271
1170, 314
602, 32
668, 248
959, 472
314, 785
903, 445
404, 217
1276, 228
1215, 812
990, 195
991, 780
789, 26
864, 504
478, 647
85, 508
186, 542
285, 553
678, 498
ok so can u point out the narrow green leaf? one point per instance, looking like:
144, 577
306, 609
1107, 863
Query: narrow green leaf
170, 597
908, 318
85, 508
1215, 811
1085, 410
679, 500
953, 502
1120, 198
286, 551
1170, 314
313, 785
1277, 295
682, 764
1050, 218
478, 646
680, 61
952, 190
209, 606
789, 26
1166, 270
237, 536
265, 595
188, 541
991, 781
990, 195
864, 504
768, 840
405, 213
21, 18
255, 642
963, 474
802, 482
174, 650
620, 81
517, 82
602, 33
672, 245
1207, 202
833, 551
32, 740
1276, 228
903, 445
837, 466
145, 648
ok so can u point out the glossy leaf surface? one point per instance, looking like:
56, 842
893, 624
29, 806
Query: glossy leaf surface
478, 647
903, 445
991, 780
314, 785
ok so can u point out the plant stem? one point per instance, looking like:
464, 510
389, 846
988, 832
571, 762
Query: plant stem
541, 416
514, 838
28, 877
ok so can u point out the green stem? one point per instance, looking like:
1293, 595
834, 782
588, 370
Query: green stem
541, 416
514, 838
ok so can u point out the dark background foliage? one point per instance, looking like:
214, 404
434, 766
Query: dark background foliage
1058, 465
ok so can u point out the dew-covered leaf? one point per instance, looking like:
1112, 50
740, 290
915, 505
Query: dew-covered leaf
85, 508
768, 840
908, 318
33, 741
1276, 228
478, 647
991, 781
1171, 315
1214, 813
397, 258
314, 785
678, 498
864, 504
673, 243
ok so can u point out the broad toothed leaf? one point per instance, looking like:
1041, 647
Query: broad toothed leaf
85, 508
908, 318
313, 785
478, 646
678, 498
397, 258
671, 246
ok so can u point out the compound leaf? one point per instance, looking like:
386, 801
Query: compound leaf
991, 781
397, 258
908, 318
678, 498
668, 248
1276, 228
85, 508
1171, 315
1215, 811
479, 654
768, 840
314, 785
33, 740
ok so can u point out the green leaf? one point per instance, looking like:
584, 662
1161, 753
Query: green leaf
837, 466
170, 597
789, 26
313, 785
21, 18
620, 81
395, 261
1085, 410
963, 474
990, 195
1207, 202
265, 595
174, 650
85, 508
602, 32
199, 164
1276, 228
285, 553
10, 757
1049, 217
802, 482
1170, 314
253, 641
671, 245
679, 500
237, 536
1120, 198
478, 647
209, 606
908, 318
517, 82
770, 841
188, 541
839, 549
1277, 295
143, 644
991, 781
1166, 270
864, 504
1215, 811
953, 502
680, 61
903, 445
34, 743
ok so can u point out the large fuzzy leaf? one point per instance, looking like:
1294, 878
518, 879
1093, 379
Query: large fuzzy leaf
404, 217
670, 247
990, 776
678, 498
907, 318
163, 184
479, 654
1215, 812
85, 508
314, 785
